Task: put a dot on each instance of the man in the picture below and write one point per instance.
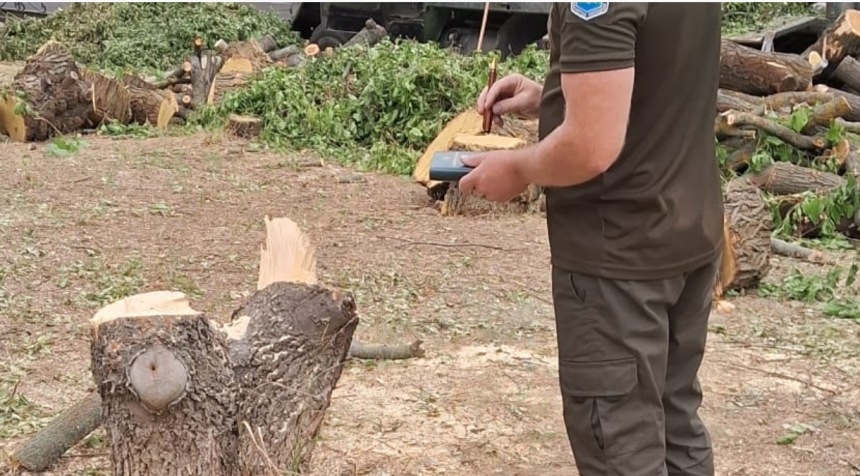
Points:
(634, 214)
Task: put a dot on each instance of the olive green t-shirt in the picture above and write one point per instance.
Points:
(657, 211)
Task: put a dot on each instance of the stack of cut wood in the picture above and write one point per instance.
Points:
(798, 99)
(52, 95)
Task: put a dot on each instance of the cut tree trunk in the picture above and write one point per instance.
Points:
(150, 106)
(181, 396)
(747, 247)
(848, 72)
(110, 99)
(783, 178)
(204, 70)
(839, 40)
(371, 34)
(223, 83)
(245, 127)
(47, 97)
(754, 72)
(458, 203)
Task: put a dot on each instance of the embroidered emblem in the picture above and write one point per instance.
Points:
(589, 10)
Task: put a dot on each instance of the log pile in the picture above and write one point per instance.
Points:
(798, 112)
(52, 95)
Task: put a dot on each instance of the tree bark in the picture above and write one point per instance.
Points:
(791, 250)
(48, 97)
(371, 34)
(848, 72)
(204, 70)
(824, 113)
(737, 119)
(747, 247)
(758, 73)
(223, 83)
(63, 432)
(284, 52)
(853, 100)
(181, 395)
(110, 98)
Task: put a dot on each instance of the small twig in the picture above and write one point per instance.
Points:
(449, 245)
(786, 377)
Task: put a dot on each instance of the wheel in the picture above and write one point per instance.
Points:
(518, 32)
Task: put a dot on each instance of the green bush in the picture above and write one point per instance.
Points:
(139, 35)
(377, 108)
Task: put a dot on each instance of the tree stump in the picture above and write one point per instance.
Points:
(457, 203)
(245, 127)
(47, 97)
(181, 395)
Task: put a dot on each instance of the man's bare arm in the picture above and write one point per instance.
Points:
(589, 140)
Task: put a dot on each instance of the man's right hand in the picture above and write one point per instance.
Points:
(513, 94)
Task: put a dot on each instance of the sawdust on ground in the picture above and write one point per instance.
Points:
(186, 213)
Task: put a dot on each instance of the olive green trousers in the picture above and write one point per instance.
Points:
(629, 355)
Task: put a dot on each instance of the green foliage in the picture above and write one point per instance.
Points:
(828, 291)
(63, 145)
(742, 17)
(377, 108)
(139, 35)
(824, 213)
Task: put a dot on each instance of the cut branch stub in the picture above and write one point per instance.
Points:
(157, 378)
(191, 435)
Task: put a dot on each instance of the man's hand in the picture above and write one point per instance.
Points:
(496, 176)
(513, 94)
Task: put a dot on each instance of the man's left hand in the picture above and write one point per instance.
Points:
(495, 176)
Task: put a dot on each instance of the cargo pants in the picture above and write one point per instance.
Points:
(629, 355)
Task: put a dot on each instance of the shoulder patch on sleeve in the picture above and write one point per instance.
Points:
(589, 10)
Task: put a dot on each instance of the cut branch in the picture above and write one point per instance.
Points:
(839, 40)
(791, 250)
(386, 351)
(739, 118)
(43, 449)
(848, 72)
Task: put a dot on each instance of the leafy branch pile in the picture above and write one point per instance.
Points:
(140, 36)
(377, 107)
(742, 17)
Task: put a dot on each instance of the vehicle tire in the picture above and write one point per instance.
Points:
(518, 32)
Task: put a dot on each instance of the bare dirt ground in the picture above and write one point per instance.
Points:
(186, 213)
